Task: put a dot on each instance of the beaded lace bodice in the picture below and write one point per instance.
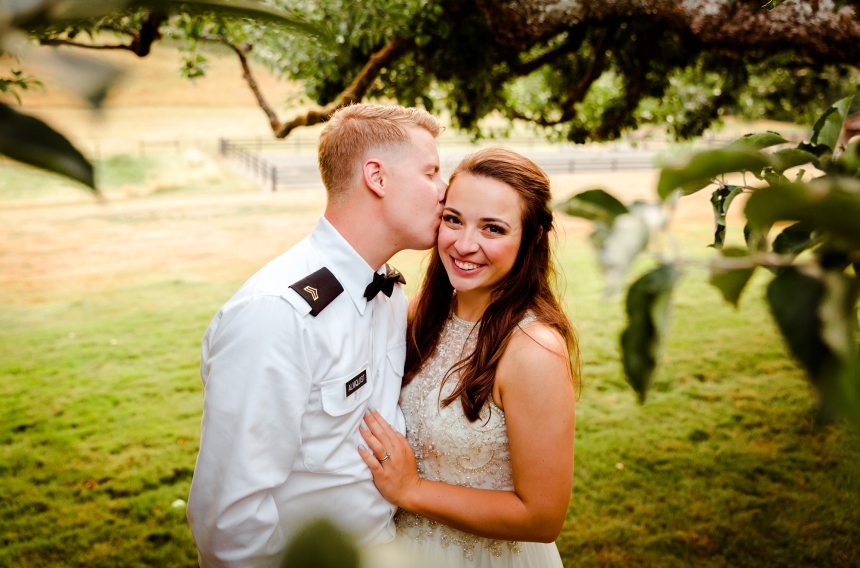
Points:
(447, 446)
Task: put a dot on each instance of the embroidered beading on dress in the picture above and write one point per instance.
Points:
(447, 446)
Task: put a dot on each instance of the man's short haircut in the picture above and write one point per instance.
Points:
(354, 130)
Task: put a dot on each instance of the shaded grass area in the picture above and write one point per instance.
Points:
(723, 466)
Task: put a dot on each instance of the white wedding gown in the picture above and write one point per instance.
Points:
(449, 448)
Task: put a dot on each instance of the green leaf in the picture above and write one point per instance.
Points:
(836, 311)
(594, 205)
(731, 281)
(793, 298)
(701, 168)
(831, 204)
(648, 316)
(320, 544)
(45, 12)
(721, 199)
(817, 318)
(773, 4)
(788, 158)
(758, 141)
(828, 129)
(755, 238)
(31, 141)
(795, 239)
(626, 238)
(598, 237)
(251, 9)
(839, 389)
(849, 160)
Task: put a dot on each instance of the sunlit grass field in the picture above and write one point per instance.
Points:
(100, 403)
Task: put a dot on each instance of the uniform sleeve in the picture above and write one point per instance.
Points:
(257, 389)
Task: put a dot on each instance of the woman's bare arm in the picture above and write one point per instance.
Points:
(535, 387)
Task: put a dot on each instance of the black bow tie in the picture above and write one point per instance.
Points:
(383, 283)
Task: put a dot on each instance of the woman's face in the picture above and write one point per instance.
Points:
(480, 234)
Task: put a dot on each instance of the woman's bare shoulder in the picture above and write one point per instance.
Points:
(535, 368)
(537, 338)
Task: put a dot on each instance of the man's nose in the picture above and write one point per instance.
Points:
(442, 187)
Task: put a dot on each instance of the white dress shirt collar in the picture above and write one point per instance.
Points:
(350, 269)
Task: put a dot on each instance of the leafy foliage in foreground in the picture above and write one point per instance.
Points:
(813, 298)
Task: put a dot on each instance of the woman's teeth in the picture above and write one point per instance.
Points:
(466, 265)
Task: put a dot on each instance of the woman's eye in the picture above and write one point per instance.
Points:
(450, 219)
(495, 229)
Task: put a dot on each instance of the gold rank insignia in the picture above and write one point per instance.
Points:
(313, 292)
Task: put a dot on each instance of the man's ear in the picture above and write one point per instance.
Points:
(373, 178)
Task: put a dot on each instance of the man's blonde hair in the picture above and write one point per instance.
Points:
(356, 129)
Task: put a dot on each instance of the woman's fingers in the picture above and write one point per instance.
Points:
(378, 449)
(370, 460)
(379, 427)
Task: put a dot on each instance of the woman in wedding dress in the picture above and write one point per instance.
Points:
(483, 477)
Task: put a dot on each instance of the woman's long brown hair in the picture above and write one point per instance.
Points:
(527, 287)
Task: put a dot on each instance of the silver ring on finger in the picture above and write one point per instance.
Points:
(387, 456)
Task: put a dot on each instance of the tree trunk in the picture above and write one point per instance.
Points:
(813, 28)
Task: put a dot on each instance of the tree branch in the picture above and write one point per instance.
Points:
(68, 43)
(141, 40)
(242, 53)
(574, 40)
(811, 27)
(355, 92)
(580, 89)
(595, 69)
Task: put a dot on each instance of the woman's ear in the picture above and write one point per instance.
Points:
(373, 178)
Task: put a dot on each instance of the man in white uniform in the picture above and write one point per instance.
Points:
(293, 360)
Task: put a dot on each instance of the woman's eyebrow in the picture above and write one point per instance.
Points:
(494, 220)
(483, 219)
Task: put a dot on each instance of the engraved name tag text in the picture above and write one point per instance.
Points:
(356, 383)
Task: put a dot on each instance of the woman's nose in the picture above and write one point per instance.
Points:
(467, 244)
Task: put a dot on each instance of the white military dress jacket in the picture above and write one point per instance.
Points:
(284, 392)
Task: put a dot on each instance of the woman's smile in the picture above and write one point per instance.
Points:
(466, 267)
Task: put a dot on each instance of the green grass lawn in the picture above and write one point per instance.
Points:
(100, 404)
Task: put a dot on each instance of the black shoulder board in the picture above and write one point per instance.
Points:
(318, 290)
